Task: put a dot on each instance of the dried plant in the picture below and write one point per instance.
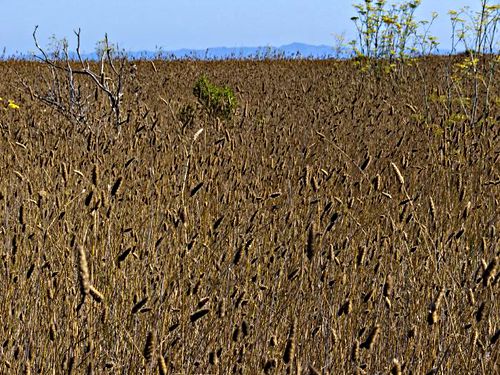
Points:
(280, 239)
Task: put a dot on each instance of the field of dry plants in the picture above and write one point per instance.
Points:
(344, 220)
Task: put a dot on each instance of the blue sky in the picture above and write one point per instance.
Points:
(145, 24)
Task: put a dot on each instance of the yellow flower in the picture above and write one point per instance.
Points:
(388, 20)
(13, 105)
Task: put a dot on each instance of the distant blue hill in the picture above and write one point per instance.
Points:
(288, 51)
(294, 50)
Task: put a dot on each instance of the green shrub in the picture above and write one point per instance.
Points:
(218, 101)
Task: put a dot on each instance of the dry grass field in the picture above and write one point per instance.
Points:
(342, 221)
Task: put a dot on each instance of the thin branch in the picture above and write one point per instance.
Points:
(114, 93)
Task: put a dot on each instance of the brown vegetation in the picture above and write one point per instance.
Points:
(340, 222)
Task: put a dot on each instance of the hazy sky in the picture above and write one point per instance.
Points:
(145, 24)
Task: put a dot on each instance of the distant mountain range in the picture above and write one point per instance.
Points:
(288, 51)
(294, 50)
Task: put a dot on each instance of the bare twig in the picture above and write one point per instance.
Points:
(75, 106)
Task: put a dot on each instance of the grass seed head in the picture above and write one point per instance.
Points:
(148, 347)
(162, 366)
(398, 174)
(372, 337)
(116, 186)
(310, 247)
(95, 294)
(289, 352)
(490, 272)
(95, 175)
(389, 284)
(83, 271)
(396, 367)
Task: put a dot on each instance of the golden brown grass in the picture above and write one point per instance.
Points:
(323, 228)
